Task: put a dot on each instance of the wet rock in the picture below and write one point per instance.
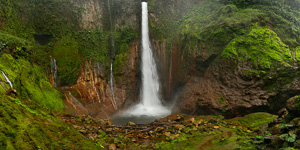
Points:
(107, 122)
(112, 147)
(11, 92)
(291, 103)
(216, 127)
(109, 130)
(83, 131)
(282, 113)
(179, 127)
(167, 134)
(172, 137)
(131, 123)
(192, 120)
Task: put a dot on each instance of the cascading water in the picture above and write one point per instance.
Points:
(112, 87)
(6, 78)
(150, 106)
(54, 70)
(111, 64)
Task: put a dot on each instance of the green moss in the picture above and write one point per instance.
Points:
(297, 54)
(255, 120)
(23, 128)
(30, 82)
(262, 47)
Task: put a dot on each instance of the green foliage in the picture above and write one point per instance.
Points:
(66, 52)
(12, 19)
(93, 44)
(289, 137)
(284, 126)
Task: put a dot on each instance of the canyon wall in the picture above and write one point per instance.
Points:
(219, 63)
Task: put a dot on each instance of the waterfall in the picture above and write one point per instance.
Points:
(112, 58)
(150, 104)
(6, 78)
(54, 71)
(112, 87)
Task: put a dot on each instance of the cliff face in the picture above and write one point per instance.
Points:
(223, 63)
(92, 93)
(93, 87)
(96, 14)
(84, 37)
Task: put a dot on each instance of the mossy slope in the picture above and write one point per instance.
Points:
(30, 82)
(25, 125)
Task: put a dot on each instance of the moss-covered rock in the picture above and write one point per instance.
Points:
(262, 47)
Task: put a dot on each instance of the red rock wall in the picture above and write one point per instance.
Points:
(93, 90)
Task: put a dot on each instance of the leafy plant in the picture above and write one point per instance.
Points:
(289, 137)
(284, 126)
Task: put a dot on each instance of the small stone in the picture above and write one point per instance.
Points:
(107, 122)
(180, 127)
(192, 120)
(88, 127)
(82, 131)
(248, 131)
(167, 134)
(199, 121)
(172, 137)
(131, 123)
(216, 127)
(109, 130)
(49, 120)
(112, 147)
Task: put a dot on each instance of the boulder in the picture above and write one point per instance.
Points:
(112, 147)
(11, 92)
(292, 103)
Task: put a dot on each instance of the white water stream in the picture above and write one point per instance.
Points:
(6, 78)
(150, 105)
(54, 70)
